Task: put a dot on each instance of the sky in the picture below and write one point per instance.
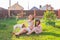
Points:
(24, 3)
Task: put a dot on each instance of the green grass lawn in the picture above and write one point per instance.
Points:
(49, 32)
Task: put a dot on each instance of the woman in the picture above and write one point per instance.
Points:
(30, 26)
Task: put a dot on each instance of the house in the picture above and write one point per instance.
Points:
(49, 7)
(34, 8)
(2, 8)
(16, 6)
(15, 10)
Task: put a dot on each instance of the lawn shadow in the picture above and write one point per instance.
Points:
(57, 27)
(50, 33)
(24, 35)
(43, 33)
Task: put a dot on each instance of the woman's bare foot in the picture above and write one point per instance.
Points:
(13, 33)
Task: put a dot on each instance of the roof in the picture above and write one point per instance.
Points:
(2, 8)
(16, 6)
(44, 7)
(34, 8)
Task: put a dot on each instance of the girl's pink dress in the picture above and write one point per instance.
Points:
(37, 29)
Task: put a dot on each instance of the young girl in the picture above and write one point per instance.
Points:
(37, 29)
(30, 26)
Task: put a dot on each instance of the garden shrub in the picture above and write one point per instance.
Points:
(58, 23)
(49, 17)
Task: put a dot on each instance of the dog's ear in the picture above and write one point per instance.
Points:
(23, 25)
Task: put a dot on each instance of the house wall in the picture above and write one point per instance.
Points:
(59, 13)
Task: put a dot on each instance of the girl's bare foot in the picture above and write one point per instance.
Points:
(28, 33)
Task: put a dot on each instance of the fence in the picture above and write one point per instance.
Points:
(39, 13)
